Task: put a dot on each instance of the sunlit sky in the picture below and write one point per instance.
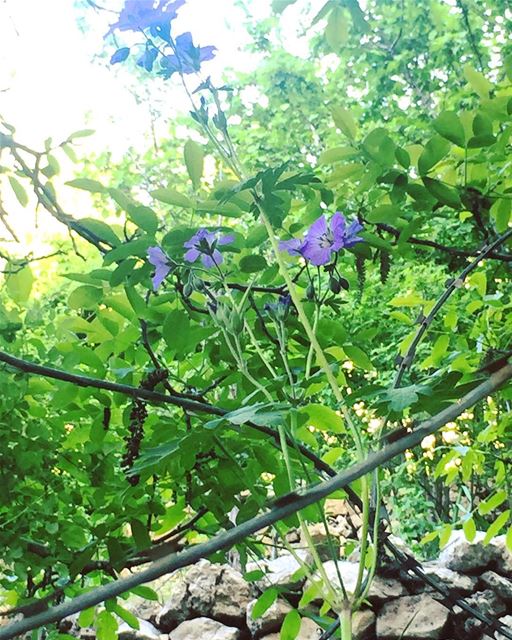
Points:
(55, 79)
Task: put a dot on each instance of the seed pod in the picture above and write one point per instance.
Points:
(236, 322)
(334, 285)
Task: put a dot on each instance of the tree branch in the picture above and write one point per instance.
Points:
(284, 507)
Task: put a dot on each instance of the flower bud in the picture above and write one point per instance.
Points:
(310, 291)
(236, 322)
(187, 290)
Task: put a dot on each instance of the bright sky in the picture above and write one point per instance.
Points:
(55, 79)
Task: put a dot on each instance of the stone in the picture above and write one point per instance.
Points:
(460, 583)
(412, 617)
(487, 602)
(204, 629)
(325, 543)
(206, 590)
(146, 631)
(507, 622)
(501, 586)
(309, 630)
(363, 625)
(503, 563)
(383, 588)
(280, 571)
(270, 621)
(467, 557)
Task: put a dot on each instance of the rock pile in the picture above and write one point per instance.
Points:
(214, 602)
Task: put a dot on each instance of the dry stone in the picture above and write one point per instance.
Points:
(280, 571)
(270, 621)
(204, 629)
(501, 586)
(309, 630)
(467, 557)
(205, 589)
(412, 618)
(488, 603)
(146, 631)
(458, 582)
(503, 564)
(363, 625)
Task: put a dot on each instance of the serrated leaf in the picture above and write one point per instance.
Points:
(448, 125)
(194, 161)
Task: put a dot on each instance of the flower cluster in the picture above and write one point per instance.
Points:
(139, 15)
(202, 244)
(323, 238)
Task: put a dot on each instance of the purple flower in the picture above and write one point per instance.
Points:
(323, 239)
(148, 58)
(141, 14)
(161, 263)
(279, 310)
(295, 246)
(204, 244)
(187, 57)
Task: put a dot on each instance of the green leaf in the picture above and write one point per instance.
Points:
(386, 213)
(358, 357)
(145, 592)
(448, 125)
(137, 248)
(291, 626)
(469, 528)
(83, 133)
(323, 418)
(176, 329)
(496, 526)
(19, 285)
(253, 264)
(19, 191)
(86, 617)
(100, 229)
(194, 161)
(336, 32)
(87, 185)
(345, 122)
(443, 193)
(500, 211)
(85, 297)
(492, 502)
(508, 539)
(106, 626)
(264, 602)
(477, 81)
(170, 196)
(335, 154)
(140, 535)
(144, 217)
(435, 150)
(482, 125)
(399, 399)
(127, 616)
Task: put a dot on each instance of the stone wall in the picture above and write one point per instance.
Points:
(213, 602)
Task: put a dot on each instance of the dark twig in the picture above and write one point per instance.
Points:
(452, 284)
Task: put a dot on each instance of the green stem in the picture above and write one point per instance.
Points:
(346, 622)
(309, 360)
